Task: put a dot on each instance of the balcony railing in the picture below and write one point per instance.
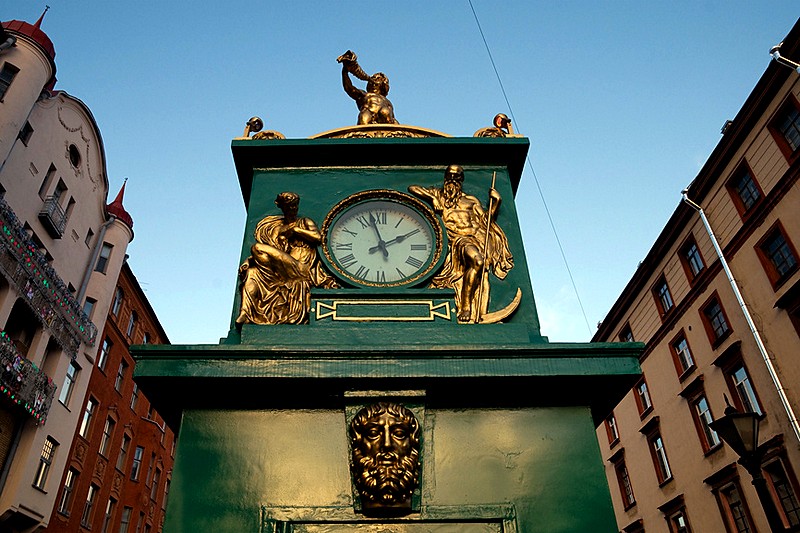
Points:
(24, 383)
(53, 217)
(40, 285)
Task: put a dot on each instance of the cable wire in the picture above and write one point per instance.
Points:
(530, 166)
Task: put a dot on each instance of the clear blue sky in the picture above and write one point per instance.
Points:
(623, 102)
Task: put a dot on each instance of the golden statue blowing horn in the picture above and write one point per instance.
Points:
(350, 61)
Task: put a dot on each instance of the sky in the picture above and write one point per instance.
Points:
(623, 102)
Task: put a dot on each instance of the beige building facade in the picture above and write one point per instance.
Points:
(667, 469)
(61, 251)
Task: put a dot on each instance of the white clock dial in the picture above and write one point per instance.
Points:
(381, 242)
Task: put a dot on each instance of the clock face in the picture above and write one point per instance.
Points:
(382, 238)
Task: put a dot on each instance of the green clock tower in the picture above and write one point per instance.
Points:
(384, 369)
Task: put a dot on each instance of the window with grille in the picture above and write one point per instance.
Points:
(691, 259)
(45, 461)
(715, 321)
(777, 254)
(744, 189)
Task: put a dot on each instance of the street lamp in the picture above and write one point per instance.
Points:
(740, 432)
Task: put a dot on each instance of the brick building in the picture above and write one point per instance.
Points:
(120, 461)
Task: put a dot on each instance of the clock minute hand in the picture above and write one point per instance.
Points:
(399, 238)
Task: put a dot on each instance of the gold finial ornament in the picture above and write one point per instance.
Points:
(255, 125)
(373, 105)
(283, 266)
(502, 128)
(477, 246)
(384, 438)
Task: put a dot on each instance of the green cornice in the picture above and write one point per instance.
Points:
(248, 155)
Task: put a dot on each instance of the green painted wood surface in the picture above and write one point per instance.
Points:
(292, 464)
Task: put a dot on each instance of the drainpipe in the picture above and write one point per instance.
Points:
(97, 245)
(756, 335)
(785, 61)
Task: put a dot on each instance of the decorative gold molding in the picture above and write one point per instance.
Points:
(367, 131)
(333, 309)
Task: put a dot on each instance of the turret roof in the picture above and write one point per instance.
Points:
(116, 208)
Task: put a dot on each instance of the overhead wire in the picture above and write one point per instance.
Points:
(530, 167)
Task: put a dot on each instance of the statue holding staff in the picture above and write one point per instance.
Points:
(477, 244)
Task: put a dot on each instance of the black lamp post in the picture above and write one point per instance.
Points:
(740, 432)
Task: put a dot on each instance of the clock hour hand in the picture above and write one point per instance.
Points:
(381, 244)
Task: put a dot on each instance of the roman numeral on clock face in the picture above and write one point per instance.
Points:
(348, 260)
(344, 246)
(413, 261)
(362, 272)
(420, 247)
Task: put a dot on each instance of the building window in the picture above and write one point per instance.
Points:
(131, 323)
(715, 321)
(123, 368)
(784, 492)
(74, 155)
(109, 515)
(735, 511)
(744, 395)
(6, 77)
(659, 455)
(675, 515)
(691, 259)
(678, 522)
(611, 429)
(663, 297)
(166, 494)
(777, 255)
(118, 297)
(786, 128)
(682, 355)
(88, 239)
(744, 189)
(69, 383)
(88, 307)
(150, 466)
(102, 261)
(25, 133)
(88, 506)
(146, 338)
(623, 480)
(105, 351)
(108, 433)
(66, 492)
(642, 396)
(156, 481)
(88, 413)
(48, 178)
(701, 413)
(134, 396)
(626, 335)
(125, 519)
(45, 460)
(123, 452)
(137, 463)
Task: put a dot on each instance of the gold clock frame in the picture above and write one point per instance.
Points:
(391, 195)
